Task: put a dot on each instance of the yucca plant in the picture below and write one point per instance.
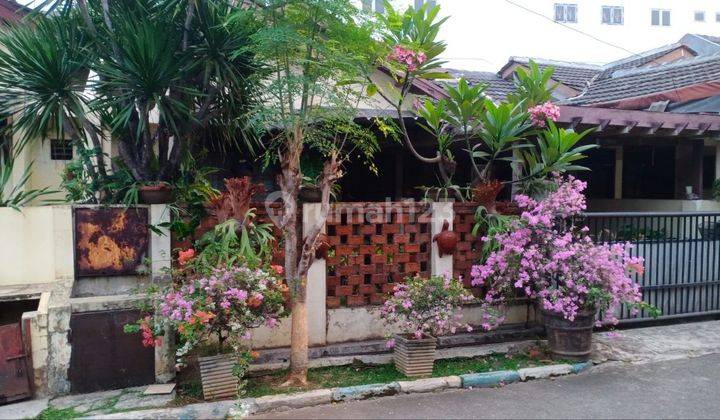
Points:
(158, 78)
(13, 194)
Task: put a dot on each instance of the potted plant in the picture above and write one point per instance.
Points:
(546, 257)
(421, 309)
(155, 193)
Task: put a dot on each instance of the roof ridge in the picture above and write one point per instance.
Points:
(560, 63)
(662, 66)
(643, 54)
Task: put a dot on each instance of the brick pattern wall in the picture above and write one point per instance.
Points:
(374, 246)
(468, 247)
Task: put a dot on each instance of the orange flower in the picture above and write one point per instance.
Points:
(181, 328)
(278, 269)
(185, 256)
(254, 302)
(204, 317)
(637, 267)
(254, 354)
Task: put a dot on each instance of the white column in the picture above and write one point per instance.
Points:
(619, 156)
(441, 212)
(160, 245)
(316, 285)
(160, 263)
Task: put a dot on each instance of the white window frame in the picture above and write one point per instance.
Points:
(700, 14)
(370, 6)
(664, 17)
(564, 17)
(612, 16)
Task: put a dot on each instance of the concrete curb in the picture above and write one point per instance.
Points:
(251, 406)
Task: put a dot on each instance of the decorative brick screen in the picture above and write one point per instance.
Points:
(469, 247)
(374, 246)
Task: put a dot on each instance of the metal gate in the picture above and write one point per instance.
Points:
(682, 257)
(14, 370)
(104, 356)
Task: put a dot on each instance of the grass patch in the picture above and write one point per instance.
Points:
(360, 374)
(51, 413)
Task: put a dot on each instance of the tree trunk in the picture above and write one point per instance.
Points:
(299, 340)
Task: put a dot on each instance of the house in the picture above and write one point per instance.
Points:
(656, 117)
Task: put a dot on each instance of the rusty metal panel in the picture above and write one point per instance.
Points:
(110, 241)
(104, 356)
(217, 377)
(14, 377)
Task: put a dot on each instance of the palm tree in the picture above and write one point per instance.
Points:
(156, 77)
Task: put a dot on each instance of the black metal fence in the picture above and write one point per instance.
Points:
(682, 258)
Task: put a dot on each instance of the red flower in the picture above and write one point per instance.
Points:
(185, 256)
(278, 269)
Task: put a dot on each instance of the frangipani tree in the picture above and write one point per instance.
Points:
(155, 77)
(490, 132)
(318, 55)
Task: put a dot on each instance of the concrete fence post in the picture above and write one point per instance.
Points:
(441, 212)
(160, 264)
(316, 286)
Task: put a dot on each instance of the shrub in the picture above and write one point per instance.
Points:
(427, 307)
(545, 256)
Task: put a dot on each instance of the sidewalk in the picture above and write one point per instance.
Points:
(636, 346)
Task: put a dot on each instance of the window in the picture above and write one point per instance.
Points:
(430, 3)
(566, 13)
(61, 149)
(612, 15)
(660, 17)
(367, 5)
(700, 16)
(717, 17)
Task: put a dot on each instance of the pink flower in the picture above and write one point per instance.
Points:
(539, 114)
(185, 256)
(390, 343)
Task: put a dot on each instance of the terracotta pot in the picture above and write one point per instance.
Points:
(446, 240)
(310, 194)
(485, 194)
(414, 357)
(156, 194)
(322, 246)
(569, 340)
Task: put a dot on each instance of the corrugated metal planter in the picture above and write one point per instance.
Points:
(570, 340)
(414, 357)
(216, 373)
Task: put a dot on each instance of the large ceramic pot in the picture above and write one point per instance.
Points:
(414, 357)
(155, 194)
(570, 340)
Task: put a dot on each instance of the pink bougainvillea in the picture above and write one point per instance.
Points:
(540, 114)
(545, 256)
(412, 60)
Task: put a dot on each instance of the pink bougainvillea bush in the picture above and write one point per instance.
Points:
(545, 256)
(429, 307)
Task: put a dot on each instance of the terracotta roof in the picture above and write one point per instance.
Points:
(664, 78)
(12, 11)
(497, 87)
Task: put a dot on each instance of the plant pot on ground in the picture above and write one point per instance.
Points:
(159, 193)
(569, 340)
(414, 356)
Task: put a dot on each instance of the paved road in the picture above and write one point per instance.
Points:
(688, 388)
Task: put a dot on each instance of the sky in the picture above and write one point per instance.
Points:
(483, 34)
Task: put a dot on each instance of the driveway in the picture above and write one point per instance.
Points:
(687, 388)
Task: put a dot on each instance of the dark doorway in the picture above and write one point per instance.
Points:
(649, 172)
(104, 356)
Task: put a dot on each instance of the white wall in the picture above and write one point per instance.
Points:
(482, 34)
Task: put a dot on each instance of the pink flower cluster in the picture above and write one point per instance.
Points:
(427, 307)
(407, 57)
(539, 114)
(545, 256)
